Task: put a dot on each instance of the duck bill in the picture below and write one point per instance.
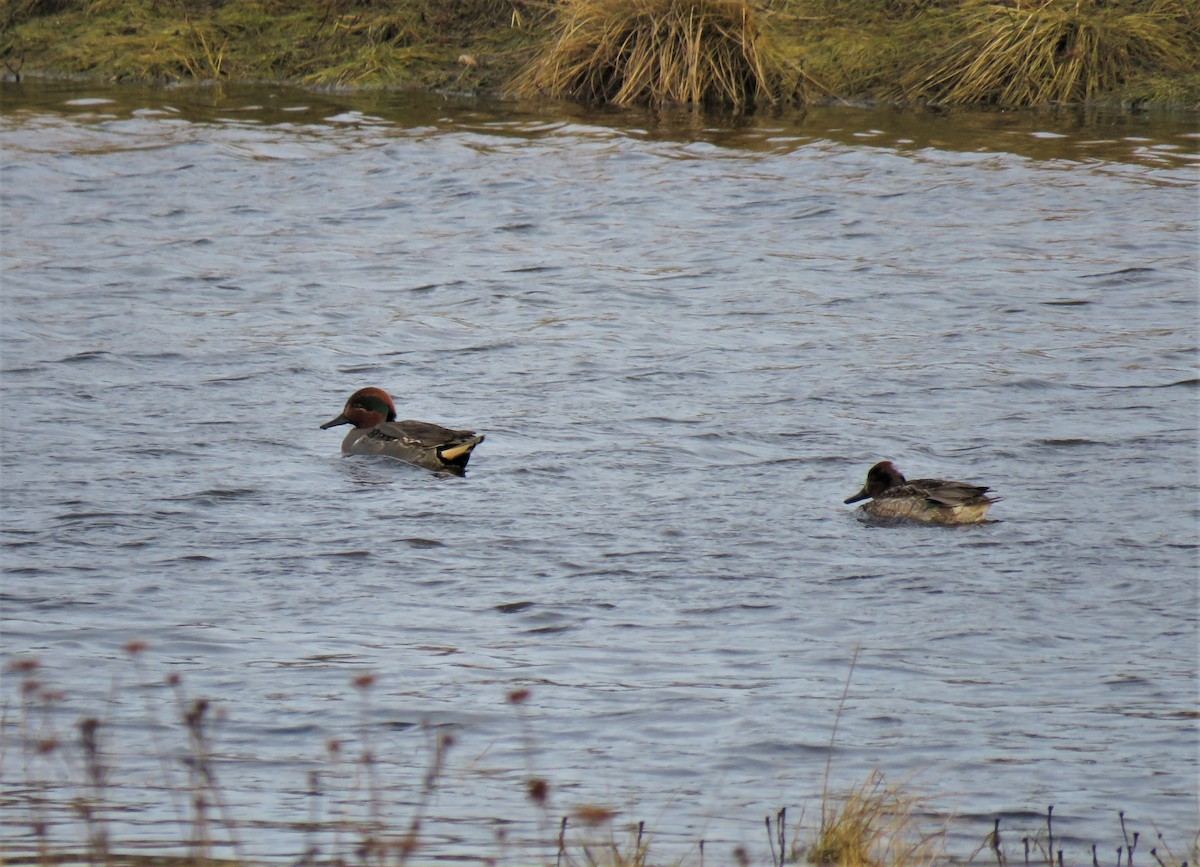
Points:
(861, 495)
(334, 422)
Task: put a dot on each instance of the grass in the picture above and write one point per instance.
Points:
(739, 53)
(657, 52)
(873, 825)
(1055, 51)
(71, 772)
(364, 43)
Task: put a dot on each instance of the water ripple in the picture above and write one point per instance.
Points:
(686, 343)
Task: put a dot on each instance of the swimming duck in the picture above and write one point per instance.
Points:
(376, 432)
(934, 501)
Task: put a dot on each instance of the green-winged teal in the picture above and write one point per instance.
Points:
(376, 432)
(934, 501)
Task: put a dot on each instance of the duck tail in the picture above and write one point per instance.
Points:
(459, 453)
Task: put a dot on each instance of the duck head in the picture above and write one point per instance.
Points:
(880, 478)
(367, 407)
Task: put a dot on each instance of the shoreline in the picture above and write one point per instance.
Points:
(831, 52)
(1104, 109)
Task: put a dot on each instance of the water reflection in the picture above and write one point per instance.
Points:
(1166, 138)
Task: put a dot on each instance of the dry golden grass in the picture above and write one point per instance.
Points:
(656, 52)
(1056, 51)
(873, 825)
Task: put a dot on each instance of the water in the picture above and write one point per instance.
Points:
(686, 342)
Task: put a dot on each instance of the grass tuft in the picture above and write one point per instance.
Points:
(873, 825)
(1023, 53)
(656, 52)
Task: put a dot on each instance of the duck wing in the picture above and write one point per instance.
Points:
(946, 493)
(422, 434)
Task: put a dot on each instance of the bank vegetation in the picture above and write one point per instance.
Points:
(68, 799)
(1000, 53)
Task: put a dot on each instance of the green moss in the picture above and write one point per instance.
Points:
(408, 42)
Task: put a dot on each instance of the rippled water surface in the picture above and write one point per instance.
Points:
(686, 342)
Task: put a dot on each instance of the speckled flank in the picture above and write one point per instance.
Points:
(920, 509)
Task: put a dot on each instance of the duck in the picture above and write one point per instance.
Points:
(376, 432)
(931, 501)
